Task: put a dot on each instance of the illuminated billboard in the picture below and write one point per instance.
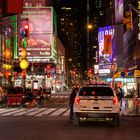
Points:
(110, 42)
(105, 37)
(118, 11)
(40, 40)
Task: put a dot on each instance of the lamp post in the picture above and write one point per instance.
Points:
(113, 68)
(68, 65)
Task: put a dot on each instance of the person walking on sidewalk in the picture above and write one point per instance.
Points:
(71, 101)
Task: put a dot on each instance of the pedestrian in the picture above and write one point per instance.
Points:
(120, 93)
(71, 101)
(43, 97)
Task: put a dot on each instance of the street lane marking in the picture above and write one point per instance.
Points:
(25, 112)
(13, 112)
(7, 110)
(58, 112)
(36, 112)
(46, 112)
(66, 113)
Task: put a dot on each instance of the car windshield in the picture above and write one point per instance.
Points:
(96, 91)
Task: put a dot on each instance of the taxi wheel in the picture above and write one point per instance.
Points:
(76, 120)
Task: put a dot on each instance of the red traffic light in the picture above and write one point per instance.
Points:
(26, 30)
(26, 26)
(48, 75)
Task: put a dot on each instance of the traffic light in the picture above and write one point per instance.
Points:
(48, 75)
(90, 73)
(26, 30)
(128, 21)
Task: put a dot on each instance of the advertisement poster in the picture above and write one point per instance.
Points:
(39, 42)
(110, 42)
(105, 36)
(107, 44)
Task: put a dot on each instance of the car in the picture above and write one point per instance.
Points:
(96, 101)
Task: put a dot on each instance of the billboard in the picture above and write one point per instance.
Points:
(105, 36)
(40, 38)
(110, 42)
(118, 11)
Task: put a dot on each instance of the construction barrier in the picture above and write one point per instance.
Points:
(14, 99)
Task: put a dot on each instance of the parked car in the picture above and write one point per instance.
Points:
(96, 101)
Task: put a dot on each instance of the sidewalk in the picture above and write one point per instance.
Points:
(130, 107)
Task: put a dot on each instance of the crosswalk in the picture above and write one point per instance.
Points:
(38, 112)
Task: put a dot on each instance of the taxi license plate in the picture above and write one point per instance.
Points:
(95, 103)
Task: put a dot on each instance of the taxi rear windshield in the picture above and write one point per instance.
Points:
(96, 91)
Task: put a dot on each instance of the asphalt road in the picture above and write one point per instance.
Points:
(28, 126)
(60, 128)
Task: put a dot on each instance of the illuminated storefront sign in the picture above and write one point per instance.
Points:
(105, 36)
(41, 34)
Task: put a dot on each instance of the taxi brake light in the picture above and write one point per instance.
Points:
(84, 92)
(115, 100)
(77, 100)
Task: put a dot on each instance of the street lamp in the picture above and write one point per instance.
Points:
(89, 26)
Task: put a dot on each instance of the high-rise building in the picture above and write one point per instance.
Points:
(69, 32)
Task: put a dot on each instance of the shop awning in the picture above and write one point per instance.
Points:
(132, 73)
(137, 73)
(117, 75)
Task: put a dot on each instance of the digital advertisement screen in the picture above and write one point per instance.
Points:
(105, 37)
(110, 42)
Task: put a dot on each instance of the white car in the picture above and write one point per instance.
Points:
(96, 101)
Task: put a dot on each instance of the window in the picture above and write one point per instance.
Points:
(28, 4)
(38, 4)
(96, 91)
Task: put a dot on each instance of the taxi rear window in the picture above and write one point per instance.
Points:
(96, 91)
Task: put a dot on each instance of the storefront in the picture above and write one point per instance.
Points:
(129, 85)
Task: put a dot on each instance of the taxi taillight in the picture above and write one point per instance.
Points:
(115, 100)
(77, 100)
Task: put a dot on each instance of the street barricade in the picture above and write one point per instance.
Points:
(130, 106)
(14, 99)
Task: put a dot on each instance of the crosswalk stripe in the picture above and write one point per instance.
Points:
(66, 113)
(36, 111)
(25, 112)
(46, 112)
(12, 112)
(58, 112)
(7, 110)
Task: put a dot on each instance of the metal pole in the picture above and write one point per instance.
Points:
(87, 33)
(132, 7)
